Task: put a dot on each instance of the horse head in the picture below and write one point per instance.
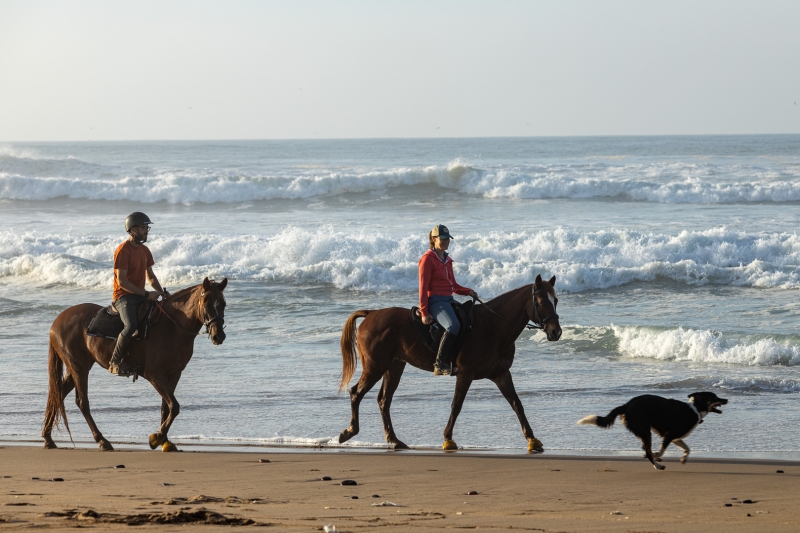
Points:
(212, 309)
(543, 308)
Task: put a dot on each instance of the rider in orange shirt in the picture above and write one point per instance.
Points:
(133, 264)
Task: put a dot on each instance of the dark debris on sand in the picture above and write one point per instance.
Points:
(209, 499)
(200, 516)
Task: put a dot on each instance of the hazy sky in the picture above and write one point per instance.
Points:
(302, 69)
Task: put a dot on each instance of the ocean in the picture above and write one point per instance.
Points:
(677, 260)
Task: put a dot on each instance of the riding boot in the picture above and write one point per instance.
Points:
(443, 365)
(117, 365)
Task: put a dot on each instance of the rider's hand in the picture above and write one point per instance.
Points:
(165, 294)
(153, 295)
(473, 294)
(427, 319)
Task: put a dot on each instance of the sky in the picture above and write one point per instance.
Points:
(92, 70)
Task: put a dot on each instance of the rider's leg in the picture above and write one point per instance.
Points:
(443, 312)
(128, 308)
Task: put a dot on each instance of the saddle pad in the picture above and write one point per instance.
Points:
(431, 335)
(108, 324)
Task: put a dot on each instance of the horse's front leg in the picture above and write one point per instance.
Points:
(462, 386)
(506, 386)
(170, 408)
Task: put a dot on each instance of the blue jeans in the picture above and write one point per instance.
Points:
(442, 311)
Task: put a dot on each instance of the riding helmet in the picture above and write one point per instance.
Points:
(136, 219)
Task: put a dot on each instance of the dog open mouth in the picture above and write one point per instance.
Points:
(713, 408)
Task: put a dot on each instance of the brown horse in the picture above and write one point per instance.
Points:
(387, 340)
(163, 355)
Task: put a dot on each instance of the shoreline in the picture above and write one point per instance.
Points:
(780, 458)
(400, 491)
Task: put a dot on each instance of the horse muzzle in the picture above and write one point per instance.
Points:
(218, 336)
(553, 334)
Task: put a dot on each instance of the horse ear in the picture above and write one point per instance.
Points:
(538, 280)
(553, 281)
(206, 284)
(223, 284)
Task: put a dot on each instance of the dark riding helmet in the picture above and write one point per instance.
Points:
(136, 219)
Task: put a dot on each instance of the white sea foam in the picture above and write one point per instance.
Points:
(23, 177)
(704, 346)
(491, 263)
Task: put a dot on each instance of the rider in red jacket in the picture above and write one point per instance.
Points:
(436, 287)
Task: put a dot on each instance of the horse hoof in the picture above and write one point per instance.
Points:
(106, 446)
(346, 435)
(400, 445)
(169, 447)
(50, 445)
(449, 445)
(535, 446)
(155, 441)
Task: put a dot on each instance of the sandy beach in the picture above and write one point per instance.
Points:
(395, 492)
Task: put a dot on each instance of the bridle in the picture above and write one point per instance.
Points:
(207, 321)
(542, 322)
(537, 324)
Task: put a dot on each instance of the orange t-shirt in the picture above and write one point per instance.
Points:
(136, 260)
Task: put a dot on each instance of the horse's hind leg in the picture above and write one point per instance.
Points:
(462, 386)
(82, 400)
(506, 386)
(47, 429)
(357, 392)
(391, 378)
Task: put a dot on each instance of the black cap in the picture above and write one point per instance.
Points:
(441, 231)
(136, 219)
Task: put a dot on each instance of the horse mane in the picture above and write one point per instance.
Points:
(175, 296)
(503, 298)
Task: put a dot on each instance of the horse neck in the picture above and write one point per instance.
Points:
(183, 309)
(513, 308)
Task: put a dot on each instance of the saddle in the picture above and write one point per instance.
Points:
(108, 324)
(431, 335)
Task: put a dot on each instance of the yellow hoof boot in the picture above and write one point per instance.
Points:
(535, 446)
(169, 447)
(155, 441)
(449, 445)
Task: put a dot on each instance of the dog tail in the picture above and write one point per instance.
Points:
(602, 421)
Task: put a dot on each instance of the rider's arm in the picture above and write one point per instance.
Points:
(459, 289)
(125, 283)
(153, 281)
(425, 268)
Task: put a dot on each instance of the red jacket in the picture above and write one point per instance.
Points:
(436, 279)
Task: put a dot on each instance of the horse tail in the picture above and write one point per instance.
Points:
(55, 411)
(348, 345)
(604, 421)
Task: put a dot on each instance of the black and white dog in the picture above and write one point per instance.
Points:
(672, 419)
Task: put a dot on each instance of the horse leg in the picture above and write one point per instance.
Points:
(169, 404)
(391, 378)
(82, 400)
(506, 386)
(357, 392)
(462, 386)
(47, 429)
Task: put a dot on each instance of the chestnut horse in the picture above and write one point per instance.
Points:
(387, 340)
(163, 355)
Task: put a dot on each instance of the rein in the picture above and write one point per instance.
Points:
(536, 324)
(207, 323)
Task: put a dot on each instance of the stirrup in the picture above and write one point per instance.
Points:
(120, 370)
(437, 371)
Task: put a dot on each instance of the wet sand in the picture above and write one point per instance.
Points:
(528, 493)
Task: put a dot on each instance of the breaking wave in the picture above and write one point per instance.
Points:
(492, 263)
(23, 177)
(704, 346)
